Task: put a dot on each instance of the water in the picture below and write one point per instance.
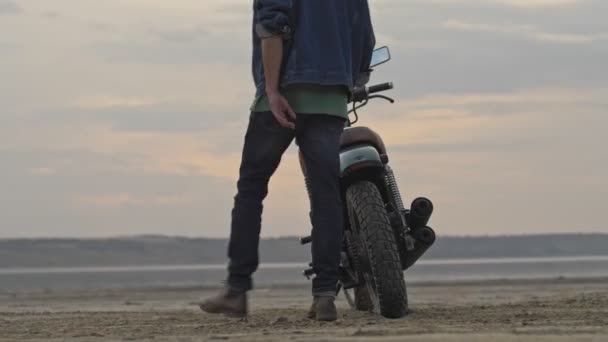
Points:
(29, 279)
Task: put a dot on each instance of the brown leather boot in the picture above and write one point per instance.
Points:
(312, 312)
(229, 302)
(323, 309)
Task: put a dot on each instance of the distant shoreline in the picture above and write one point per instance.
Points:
(292, 265)
(286, 274)
(577, 281)
(280, 237)
(165, 250)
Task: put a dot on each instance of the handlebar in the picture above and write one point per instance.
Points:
(380, 87)
(361, 94)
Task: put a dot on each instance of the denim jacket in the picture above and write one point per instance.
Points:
(326, 42)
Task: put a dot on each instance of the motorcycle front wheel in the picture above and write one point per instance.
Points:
(376, 242)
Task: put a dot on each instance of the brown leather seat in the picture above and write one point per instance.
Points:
(361, 135)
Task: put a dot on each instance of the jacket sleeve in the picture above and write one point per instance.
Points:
(273, 18)
(368, 49)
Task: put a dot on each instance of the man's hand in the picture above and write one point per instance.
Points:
(272, 56)
(281, 110)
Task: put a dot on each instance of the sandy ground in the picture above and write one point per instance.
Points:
(533, 310)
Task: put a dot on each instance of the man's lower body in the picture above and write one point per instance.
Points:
(318, 137)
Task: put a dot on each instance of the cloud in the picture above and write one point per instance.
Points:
(143, 114)
(523, 4)
(41, 171)
(457, 147)
(175, 47)
(53, 15)
(480, 104)
(101, 147)
(122, 200)
(482, 148)
(534, 3)
(499, 122)
(100, 194)
(180, 35)
(490, 47)
(528, 32)
(100, 102)
(9, 7)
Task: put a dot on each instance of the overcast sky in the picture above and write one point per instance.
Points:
(124, 117)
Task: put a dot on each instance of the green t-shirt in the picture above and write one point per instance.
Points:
(311, 99)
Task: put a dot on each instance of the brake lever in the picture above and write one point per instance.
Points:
(381, 97)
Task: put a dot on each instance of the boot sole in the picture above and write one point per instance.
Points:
(225, 312)
(327, 319)
(233, 314)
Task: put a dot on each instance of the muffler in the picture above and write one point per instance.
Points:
(422, 236)
(419, 214)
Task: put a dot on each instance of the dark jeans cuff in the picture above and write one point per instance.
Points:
(331, 294)
(324, 290)
(241, 284)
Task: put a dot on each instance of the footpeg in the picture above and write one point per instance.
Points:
(305, 240)
(308, 273)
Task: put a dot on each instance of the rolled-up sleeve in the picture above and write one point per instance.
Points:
(273, 18)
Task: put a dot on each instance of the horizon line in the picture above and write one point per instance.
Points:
(167, 236)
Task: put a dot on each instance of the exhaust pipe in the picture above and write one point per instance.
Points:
(424, 239)
(419, 214)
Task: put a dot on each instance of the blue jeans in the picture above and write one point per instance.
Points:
(318, 137)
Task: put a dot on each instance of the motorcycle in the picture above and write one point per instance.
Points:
(382, 238)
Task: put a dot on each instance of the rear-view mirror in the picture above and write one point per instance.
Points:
(380, 56)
